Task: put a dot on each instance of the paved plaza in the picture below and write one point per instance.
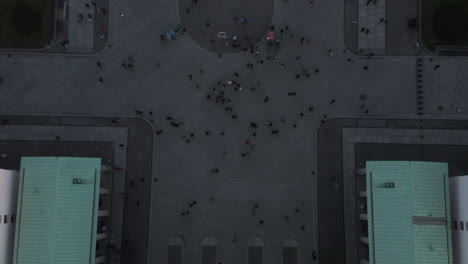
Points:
(234, 130)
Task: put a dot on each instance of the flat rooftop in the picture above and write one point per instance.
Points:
(56, 220)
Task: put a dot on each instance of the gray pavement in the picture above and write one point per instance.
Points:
(80, 26)
(372, 26)
(277, 173)
(390, 37)
(400, 40)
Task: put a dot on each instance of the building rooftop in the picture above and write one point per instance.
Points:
(408, 212)
(57, 210)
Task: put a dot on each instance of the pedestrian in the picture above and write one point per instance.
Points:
(332, 101)
(187, 10)
(99, 64)
(437, 66)
(267, 99)
(261, 222)
(100, 79)
(317, 71)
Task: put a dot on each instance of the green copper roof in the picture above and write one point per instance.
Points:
(408, 212)
(57, 210)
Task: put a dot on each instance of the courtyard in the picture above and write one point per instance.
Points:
(235, 130)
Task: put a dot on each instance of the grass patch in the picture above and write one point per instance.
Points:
(25, 23)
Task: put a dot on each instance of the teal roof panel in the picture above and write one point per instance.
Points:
(409, 212)
(57, 210)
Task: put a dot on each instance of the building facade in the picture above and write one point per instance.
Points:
(8, 199)
(459, 204)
